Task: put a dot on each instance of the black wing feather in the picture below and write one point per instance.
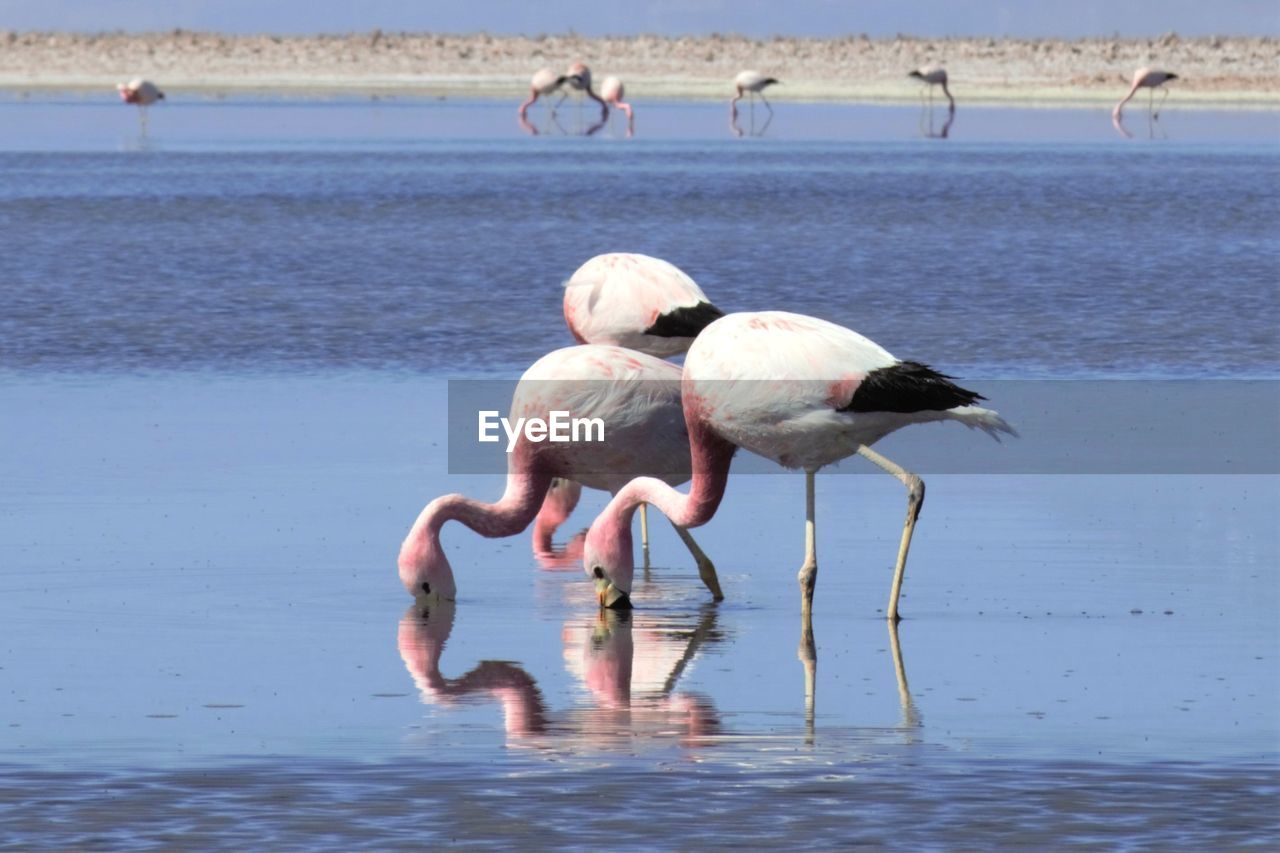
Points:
(685, 322)
(909, 386)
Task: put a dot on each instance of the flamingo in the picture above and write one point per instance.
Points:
(638, 302)
(637, 396)
(750, 83)
(141, 92)
(934, 75)
(802, 392)
(579, 79)
(1146, 78)
(544, 83)
(612, 91)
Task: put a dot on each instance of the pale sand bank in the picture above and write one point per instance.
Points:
(1218, 71)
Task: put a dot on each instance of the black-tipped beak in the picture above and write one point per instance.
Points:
(621, 601)
(1173, 76)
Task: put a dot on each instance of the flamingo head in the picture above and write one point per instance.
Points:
(424, 569)
(607, 556)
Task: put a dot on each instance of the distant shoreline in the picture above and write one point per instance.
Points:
(1231, 72)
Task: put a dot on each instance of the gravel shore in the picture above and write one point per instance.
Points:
(1222, 71)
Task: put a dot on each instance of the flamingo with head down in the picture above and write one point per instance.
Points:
(544, 83)
(934, 75)
(1149, 79)
(612, 91)
(635, 395)
(578, 78)
(802, 392)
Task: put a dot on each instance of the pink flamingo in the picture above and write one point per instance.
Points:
(612, 92)
(934, 75)
(142, 93)
(1150, 79)
(635, 395)
(544, 83)
(802, 392)
(750, 83)
(638, 302)
(579, 79)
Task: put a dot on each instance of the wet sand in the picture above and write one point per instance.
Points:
(1214, 71)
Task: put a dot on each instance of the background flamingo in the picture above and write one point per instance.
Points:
(578, 78)
(1150, 79)
(750, 83)
(612, 92)
(544, 83)
(802, 392)
(638, 398)
(141, 92)
(934, 75)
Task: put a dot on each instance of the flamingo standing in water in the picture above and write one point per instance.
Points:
(544, 83)
(750, 83)
(636, 396)
(612, 92)
(802, 392)
(578, 77)
(638, 302)
(141, 92)
(1150, 79)
(934, 75)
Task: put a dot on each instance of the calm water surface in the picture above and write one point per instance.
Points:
(223, 354)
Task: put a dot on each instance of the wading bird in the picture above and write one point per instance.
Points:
(638, 302)
(934, 75)
(544, 83)
(750, 83)
(143, 93)
(578, 78)
(612, 92)
(634, 395)
(1150, 79)
(802, 392)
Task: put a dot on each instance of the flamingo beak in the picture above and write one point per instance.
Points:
(426, 597)
(610, 596)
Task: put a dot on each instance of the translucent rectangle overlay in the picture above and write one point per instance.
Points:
(1065, 427)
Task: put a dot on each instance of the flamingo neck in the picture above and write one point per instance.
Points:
(711, 457)
(421, 552)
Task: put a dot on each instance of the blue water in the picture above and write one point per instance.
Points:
(223, 356)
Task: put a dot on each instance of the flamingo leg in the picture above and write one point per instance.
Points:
(808, 655)
(766, 104)
(915, 500)
(644, 533)
(706, 568)
(1164, 98)
(910, 716)
(808, 575)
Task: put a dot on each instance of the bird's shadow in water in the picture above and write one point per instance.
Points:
(751, 129)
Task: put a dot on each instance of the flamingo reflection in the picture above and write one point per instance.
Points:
(807, 653)
(630, 672)
(421, 639)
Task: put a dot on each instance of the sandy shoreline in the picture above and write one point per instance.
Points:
(1216, 71)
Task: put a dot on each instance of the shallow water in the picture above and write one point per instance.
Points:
(222, 380)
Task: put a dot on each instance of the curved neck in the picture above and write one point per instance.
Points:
(524, 108)
(509, 516)
(711, 456)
